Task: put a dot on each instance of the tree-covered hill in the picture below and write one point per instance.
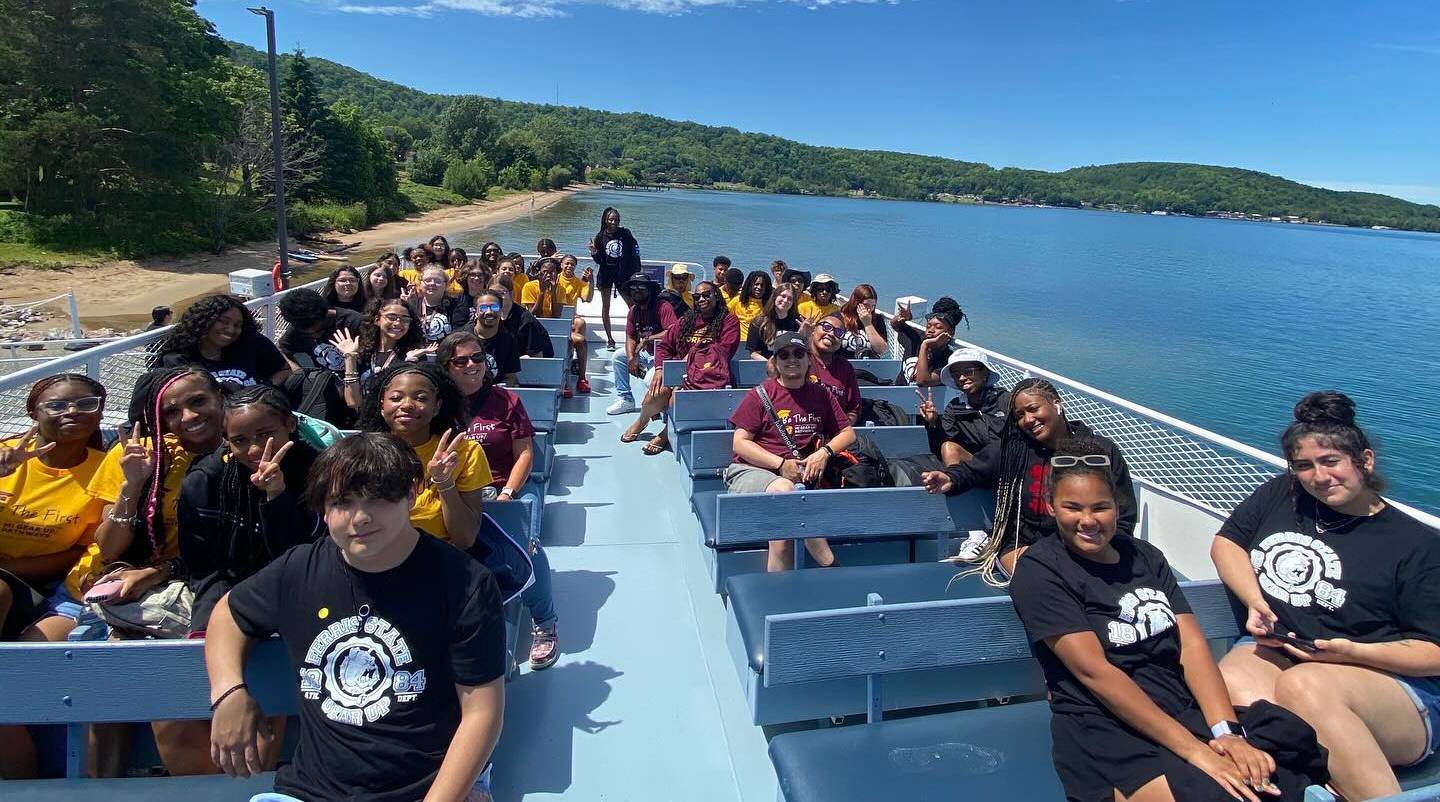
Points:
(643, 147)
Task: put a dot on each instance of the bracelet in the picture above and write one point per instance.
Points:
(781, 467)
(506, 492)
(439, 488)
(226, 695)
(1227, 728)
(123, 520)
(827, 447)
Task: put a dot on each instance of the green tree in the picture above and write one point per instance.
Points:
(558, 177)
(519, 175)
(467, 127)
(358, 167)
(471, 178)
(428, 165)
(553, 144)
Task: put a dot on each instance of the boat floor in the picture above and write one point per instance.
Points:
(643, 703)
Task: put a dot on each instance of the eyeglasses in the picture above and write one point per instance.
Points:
(462, 361)
(705, 294)
(1093, 460)
(391, 317)
(90, 403)
(828, 327)
(791, 354)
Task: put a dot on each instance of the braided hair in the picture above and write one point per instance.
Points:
(1010, 486)
(239, 501)
(38, 389)
(450, 415)
(145, 413)
(693, 318)
(187, 334)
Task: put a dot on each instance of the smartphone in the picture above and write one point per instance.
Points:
(1302, 644)
(103, 591)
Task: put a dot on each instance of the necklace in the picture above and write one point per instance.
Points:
(1322, 526)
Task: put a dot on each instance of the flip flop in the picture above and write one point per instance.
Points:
(651, 449)
(630, 438)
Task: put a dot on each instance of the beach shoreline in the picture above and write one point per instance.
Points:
(119, 293)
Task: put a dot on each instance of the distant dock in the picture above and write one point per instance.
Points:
(636, 187)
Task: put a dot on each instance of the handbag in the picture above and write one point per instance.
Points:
(163, 612)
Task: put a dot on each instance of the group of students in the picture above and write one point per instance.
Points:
(222, 512)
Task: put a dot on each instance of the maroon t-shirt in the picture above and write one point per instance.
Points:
(496, 425)
(839, 378)
(805, 412)
(661, 317)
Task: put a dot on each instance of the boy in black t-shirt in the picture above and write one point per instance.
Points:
(397, 641)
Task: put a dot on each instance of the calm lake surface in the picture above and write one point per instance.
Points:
(1224, 324)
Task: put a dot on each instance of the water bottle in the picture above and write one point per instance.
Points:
(799, 485)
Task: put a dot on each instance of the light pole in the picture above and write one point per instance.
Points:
(277, 151)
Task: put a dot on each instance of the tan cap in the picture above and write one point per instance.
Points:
(679, 270)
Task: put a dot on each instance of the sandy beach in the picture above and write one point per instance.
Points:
(120, 293)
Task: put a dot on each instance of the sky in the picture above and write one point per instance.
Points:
(1338, 94)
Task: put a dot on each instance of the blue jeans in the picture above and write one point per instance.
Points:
(539, 598)
(620, 366)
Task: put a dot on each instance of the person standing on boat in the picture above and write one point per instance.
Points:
(500, 425)
(646, 322)
(924, 356)
(830, 369)
(786, 431)
(1016, 467)
(779, 316)
(750, 302)
(706, 337)
(1352, 585)
(720, 265)
(617, 253)
(777, 271)
(1138, 708)
(972, 419)
(398, 648)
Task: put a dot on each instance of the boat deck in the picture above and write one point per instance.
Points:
(643, 703)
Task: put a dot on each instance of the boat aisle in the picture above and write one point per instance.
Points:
(636, 707)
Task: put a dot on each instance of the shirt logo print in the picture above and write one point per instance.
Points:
(1144, 613)
(356, 669)
(1039, 476)
(1299, 570)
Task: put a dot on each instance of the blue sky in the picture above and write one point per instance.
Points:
(1339, 94)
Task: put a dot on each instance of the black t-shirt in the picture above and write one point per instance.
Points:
(377, 694)
(1372, 580)
(1131, 607)
(755, 340)
(321, 351)
(502, 352)
(252, 359)
(529, 332)
(910, 342)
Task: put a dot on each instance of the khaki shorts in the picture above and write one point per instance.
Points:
(741, 477)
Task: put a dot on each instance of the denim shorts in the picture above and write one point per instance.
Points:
(61, 603)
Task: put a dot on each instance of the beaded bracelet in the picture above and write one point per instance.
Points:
(226, 695)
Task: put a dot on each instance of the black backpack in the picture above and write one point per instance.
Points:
(317, 392)
(860, 465)
(881, 413)
(906, 471)
(675, 300)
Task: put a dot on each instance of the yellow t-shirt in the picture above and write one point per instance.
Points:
(809, 309)
(532, 294)
(745, 312)
(517, 284)
(472, 472)
(46, 510)
(571, 289)
(727, 294)
(455, 288)
(105, 486)
(411, 275)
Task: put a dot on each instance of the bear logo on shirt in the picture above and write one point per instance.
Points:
(1144, 613)
(356, 668)
(1299, 570)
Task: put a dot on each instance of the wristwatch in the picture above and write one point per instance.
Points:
(1227, 728)
(829, 449)
(506, 492)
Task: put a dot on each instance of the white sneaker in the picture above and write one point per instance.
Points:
(973, 546)
(620, 406)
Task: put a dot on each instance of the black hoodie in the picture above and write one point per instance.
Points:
(215, 554)
(626, 264)
(1036, 520)
(529, 332)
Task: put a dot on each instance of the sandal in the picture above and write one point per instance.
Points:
(652, 448)
(628, 437)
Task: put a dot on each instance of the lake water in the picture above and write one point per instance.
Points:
(1224, 324)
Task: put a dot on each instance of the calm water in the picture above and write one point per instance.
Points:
(1224, 324)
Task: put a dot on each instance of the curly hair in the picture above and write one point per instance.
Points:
(451, 414)
(370, 330)
(362, 294)
(187, 334)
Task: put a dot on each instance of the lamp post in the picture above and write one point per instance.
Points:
(277, 151)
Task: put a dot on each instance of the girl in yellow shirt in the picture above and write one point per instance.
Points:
(46, 518)
(750, 303)
(421, 405)
(822, 298)
(573, 290)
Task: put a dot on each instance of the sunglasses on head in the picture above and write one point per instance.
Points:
(462, 361)
(1093, 460)
(90, 403)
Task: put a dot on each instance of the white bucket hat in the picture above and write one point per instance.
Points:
(962, 356)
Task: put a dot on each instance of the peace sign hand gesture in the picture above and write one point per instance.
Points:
(441, 470)
(135, 460)
(927, 405)
(902, 314)
(268, 476)
(346, 343)
(13, 457)
(808, 324)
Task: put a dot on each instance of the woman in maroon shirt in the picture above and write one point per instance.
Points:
(829, 368)
(499, 424)
(706, 337)
(814, 423)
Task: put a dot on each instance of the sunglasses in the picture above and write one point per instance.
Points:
(90, 403)
(1093, 460)
(828, 327)
(462, 361)
(705, 294)
(973, 370)
(791, 354)
(483, 308)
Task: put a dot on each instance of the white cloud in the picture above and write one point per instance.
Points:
(1419, 193)
(557, 8)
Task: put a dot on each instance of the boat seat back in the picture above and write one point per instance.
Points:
(541, 372)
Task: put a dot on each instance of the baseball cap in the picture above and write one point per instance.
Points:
(789, 339)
